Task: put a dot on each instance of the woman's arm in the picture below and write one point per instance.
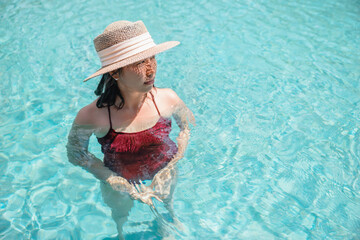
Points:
(78, 154)
(183, 117)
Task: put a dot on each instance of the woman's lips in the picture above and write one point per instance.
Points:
(149, 82)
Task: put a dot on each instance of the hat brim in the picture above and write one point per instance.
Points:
(133, 59)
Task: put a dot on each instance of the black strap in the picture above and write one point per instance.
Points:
(109, 117)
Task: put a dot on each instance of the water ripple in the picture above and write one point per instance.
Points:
(274, 87)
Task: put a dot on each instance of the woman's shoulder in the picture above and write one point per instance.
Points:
(89, 114)
(168, 95)
(167, 101)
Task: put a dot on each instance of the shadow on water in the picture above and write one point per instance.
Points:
(139, 235)
(156, 230)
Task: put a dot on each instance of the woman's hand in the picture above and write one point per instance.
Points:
(142, 193)
(163, 180)
(145, 194)
(120, 184)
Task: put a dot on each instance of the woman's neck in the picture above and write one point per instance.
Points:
(133, 101)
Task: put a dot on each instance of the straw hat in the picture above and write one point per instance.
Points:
(123, 43)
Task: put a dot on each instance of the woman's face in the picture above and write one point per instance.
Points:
(139, 76)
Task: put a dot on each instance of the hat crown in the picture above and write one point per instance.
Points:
(118, 32)
(123, 43)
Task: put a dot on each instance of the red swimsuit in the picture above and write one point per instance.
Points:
(138, 155)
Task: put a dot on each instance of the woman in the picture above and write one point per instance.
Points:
(132, 121)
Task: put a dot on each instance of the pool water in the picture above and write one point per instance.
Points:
(275, 89)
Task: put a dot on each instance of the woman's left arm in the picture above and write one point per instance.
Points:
(183, 117)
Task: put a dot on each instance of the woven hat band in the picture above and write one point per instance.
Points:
(125, 49)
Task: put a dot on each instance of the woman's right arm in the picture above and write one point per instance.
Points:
(78, 154)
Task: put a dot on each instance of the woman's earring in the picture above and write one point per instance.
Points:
(114, 78)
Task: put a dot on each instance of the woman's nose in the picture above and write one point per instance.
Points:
(150, 72)
(150, 69)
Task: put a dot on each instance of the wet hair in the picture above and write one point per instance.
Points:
(108, 90)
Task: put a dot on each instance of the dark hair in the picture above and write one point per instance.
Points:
(108, 90)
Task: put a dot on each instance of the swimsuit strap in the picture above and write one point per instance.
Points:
(109, 117)
(152, 96)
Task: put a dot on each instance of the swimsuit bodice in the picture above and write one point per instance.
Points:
(138, 155)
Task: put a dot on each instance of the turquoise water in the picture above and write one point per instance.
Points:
(274, 86)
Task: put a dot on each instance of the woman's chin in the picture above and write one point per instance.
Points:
(149, 87)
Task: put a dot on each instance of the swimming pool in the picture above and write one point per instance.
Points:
(274, 86)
